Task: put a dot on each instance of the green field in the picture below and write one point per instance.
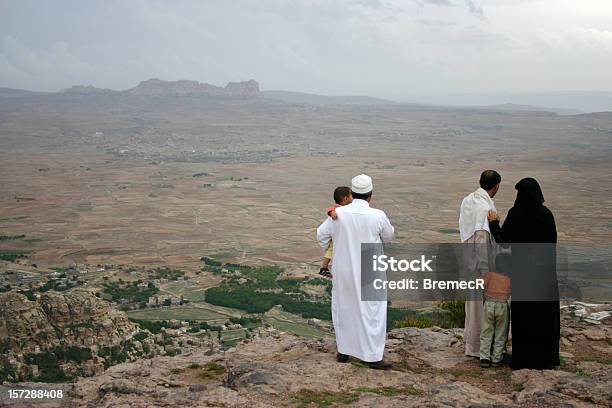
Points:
(178, 313)
(290, 323)
(12, 254)
(301, 329)
(185, 289)
(230, 335)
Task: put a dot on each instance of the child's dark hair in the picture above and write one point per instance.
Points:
(340, 193)
(503, 263)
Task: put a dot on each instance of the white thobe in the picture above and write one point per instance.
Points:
(476, 237)
(360, 325)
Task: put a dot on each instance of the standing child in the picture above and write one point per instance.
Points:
(496, 315)
(342, 196)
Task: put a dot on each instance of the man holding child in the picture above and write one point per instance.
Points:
(360, 326)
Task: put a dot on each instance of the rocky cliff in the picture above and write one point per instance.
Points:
(273, 368)
(61, 335)
(157, 87)
(277, 369)
(74, 317)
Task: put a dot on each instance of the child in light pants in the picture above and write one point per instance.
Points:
(496, 314)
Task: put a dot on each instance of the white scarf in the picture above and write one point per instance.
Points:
(473, 213)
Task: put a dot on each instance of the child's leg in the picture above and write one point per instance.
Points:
(324, 271)
(502, 320)
(325, 263)
(329, 252)
(487, 330)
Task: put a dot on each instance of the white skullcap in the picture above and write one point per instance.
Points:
(361, 184)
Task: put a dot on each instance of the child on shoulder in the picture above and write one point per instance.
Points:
(342, 196)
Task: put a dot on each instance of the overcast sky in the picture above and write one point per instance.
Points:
(385, 48)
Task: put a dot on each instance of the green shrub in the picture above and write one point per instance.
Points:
(154, 326)
(391, 391)
(11, 237)
(11, 255)
(210, 261)
(131, 292)
(322, 399)
(457, 311)
(49, 361)
(140, 336)
(168, 273)
(413, 321)
(211, 370)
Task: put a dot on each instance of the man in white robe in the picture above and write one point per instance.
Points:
(360, 326)
(479, 247)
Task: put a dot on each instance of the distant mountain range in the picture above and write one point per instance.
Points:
(314, 99)
(529, 108)
(156, 87)
(561, 103)
(9, 92)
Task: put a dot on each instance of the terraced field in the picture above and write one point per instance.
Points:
(291, 323)
(179, 313)
(189, 290)
(231, 337)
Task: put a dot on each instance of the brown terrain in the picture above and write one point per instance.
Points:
(103, 188)
(165, 180)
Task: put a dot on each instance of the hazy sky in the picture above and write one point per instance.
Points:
(386, 48)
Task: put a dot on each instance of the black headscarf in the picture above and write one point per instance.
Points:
(529, 193)
(528, 220)
(533, 222)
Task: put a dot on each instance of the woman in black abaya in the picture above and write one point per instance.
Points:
(530, 229)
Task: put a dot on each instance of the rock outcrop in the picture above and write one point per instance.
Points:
(157, 87)
(64, 334)
(74, 317)
(273, 368)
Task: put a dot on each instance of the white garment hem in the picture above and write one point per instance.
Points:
(368, 358)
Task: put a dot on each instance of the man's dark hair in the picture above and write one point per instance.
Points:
(340, 193)
(360, 196)
(503, 263)
(489, 179)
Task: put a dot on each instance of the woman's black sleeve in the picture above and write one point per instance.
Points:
(496, 231)
(503, 235)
